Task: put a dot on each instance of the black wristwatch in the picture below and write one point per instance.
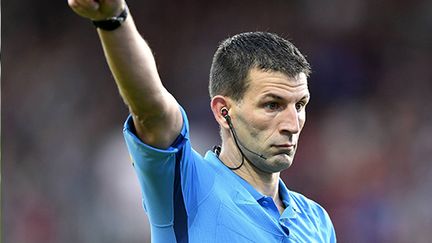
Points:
(113, 22)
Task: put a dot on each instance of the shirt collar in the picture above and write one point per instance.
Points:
(291, 207)
(255, 194)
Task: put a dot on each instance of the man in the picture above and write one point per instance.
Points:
(258, 88)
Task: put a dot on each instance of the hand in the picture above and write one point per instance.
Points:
(97, 9)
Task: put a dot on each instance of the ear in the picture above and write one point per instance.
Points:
(217, 103)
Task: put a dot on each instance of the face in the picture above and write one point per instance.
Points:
(270, 116)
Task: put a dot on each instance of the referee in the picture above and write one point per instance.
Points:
(259, 92)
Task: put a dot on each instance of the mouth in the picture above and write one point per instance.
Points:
(286, 148)
(285, 145)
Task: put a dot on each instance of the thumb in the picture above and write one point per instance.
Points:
(94, 4)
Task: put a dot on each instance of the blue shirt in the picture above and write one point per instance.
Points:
(189, 198)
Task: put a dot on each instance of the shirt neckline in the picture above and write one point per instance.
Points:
(291, 207)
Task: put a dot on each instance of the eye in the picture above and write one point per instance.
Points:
(300, 105)
(272, 106)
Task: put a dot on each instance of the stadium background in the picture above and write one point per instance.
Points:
(365, 152)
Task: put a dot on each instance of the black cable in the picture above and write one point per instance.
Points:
(228, 119)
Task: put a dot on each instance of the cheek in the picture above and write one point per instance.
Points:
(264, 129)
(302, 119)
(253, 125)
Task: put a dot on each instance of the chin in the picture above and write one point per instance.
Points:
(279, 163)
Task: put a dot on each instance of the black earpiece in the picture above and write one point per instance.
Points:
(224, 112)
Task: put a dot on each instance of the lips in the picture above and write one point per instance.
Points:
(286, 145)
(286, 148)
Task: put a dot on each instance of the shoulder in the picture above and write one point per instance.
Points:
(140, 151)
(306, 203)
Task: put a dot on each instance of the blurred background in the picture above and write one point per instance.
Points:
(365, 152)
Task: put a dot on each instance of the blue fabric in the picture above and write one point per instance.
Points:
(189, 198)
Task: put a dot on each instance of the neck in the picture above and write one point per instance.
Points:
(264, 182)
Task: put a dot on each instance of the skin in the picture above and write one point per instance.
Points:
(268, 120)
(265, 124)
(154, 110)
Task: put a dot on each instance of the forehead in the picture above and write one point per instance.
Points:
(260, 82)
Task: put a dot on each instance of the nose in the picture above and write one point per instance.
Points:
(289, 121)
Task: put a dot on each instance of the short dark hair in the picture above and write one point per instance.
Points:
(237, 55)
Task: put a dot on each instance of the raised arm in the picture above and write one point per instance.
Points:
(155, 111)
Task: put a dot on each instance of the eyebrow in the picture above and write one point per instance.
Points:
(306, 97)
(277, 97)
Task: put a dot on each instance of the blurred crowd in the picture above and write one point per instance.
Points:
(365, 153)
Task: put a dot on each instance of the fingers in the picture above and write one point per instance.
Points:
(85, 8)
(84, 4)
(93, 4)
(96, 9)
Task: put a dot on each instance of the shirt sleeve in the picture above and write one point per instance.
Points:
(155, 169)
(329, 228)
(326, 225)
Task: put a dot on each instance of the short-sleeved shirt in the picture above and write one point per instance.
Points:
(190, 198)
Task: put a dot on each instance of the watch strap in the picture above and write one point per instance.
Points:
(112, 23)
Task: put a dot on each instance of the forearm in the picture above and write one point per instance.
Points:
(156, 114)
(133, 66)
